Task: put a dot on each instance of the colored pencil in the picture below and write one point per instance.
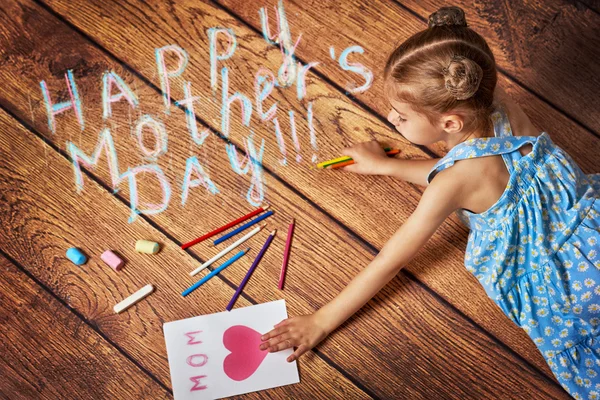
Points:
(345, 158)
(250, 270)
(243, 227)
(350, 162)
(228, 249)
(214, 272)
(286, 254)
(224, 227)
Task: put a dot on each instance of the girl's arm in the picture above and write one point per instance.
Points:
(370, 159)
(413, 171)
(436, 204)
(439, 200)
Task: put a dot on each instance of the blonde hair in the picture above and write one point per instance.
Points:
(446, 67)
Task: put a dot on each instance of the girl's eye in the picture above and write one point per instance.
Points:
(400, 119)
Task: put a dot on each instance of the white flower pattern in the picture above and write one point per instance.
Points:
(536, 251)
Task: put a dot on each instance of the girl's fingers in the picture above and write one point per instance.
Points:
(348, 151)
(299, 351)
(281, 323)
(272, 342)
(282, 345)
(281, 342)
(273, 333)
(349, 168)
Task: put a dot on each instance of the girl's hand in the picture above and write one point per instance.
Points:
(368, 158)
(303, 332)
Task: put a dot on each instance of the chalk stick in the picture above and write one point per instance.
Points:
(134, 298)
(146, 246)
(113, 260)
(76, 256)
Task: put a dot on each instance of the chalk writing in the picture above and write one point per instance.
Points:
(160, 136)
(74, 103)
(164, 74)
(264, 77)
(280, 141)
(228, 100)
(190, 115)
(287, 72)
(108, 80)
(171, 63)
(192, 165)
(356, 67)
(214, 57)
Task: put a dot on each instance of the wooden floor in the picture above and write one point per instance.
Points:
(431, 333)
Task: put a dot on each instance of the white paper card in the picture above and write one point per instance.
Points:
(217, 355)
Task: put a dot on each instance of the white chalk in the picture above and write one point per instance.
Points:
(134, 298)
(227, 250)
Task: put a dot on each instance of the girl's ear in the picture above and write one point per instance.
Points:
(452, 123)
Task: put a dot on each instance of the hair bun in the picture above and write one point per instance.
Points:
(462, 77)
(451, 16)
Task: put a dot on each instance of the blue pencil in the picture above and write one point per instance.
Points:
(241, 228)
(214, 272)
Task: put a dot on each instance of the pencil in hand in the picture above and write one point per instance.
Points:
(343, 161)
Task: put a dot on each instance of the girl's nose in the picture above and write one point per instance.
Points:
(391, 116)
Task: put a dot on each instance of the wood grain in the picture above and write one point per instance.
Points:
(48, 352)
(39, 51)
(36, 206)
(341, 116)
(550, 48)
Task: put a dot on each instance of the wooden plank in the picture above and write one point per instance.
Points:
(549, 47)
(49, 353)
(593, 5)
(36, 206)
(305, 295)
(341, 116)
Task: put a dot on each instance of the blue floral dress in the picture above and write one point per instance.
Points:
(536, 250)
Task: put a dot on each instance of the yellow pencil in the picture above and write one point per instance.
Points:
(344, 158)
(333, 161)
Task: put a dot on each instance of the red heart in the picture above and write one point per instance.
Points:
(245, 357)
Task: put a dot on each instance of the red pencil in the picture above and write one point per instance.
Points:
(286, 254)
(224, 227)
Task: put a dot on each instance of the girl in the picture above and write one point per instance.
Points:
(533, 216)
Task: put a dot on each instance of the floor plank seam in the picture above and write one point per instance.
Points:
(520, 83)
(85, 320)
(374, 250)
(326, 79)
(325, 359)
(283, 182)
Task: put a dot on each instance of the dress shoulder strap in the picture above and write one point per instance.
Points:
(503, 143)
(502, 128)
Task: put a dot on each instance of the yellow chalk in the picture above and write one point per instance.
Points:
(146, 246)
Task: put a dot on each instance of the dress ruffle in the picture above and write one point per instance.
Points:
(536, 251)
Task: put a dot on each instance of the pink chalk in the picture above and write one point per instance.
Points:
(112, 260)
